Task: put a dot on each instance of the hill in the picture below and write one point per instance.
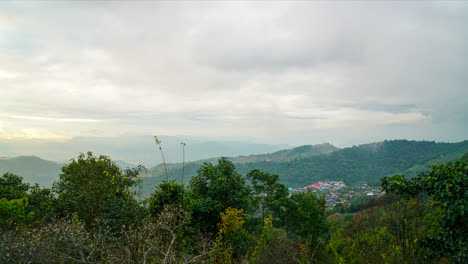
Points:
(355, 165)
(363, 164)
(175, 169)
(136, 149)
(288, 154)
(37, 170)
(32, 169)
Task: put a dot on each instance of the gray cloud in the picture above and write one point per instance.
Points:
(295, 72)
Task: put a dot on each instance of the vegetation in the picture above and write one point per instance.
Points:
(356, 165)
(93, 215)
(446, 186)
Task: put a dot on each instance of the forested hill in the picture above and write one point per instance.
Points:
(32, 169)
(363, 164)
(175, 169)
(289, 154)
(359, 164)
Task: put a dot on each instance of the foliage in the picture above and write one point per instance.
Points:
(214, 189)
(92, 216)
(268, 192)
(167, 193)
(13, 212)
(389, 231)
(464, 157)
(67, 240)
(37, 201)
(305, 216)
(41, 202)
(445, 185)
(263, 240)
(360, 164)
(95, 187)
(231, 221)
(12, 186)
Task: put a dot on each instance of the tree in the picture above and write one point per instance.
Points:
(167, 193)
(268, 192)
(14, 212)
(96, 188)
(12, 186)
(41, 201)
(446, 185)
(34, 199)
(214, 189)
(305, 215)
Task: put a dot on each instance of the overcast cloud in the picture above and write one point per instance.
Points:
(284, 72)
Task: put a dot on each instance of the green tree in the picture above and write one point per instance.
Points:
(96, 188)
(268, 192)
(12, 186)
(213, 190)
(42, 202)
(464, 157)
(446, 185)
(13, 212)
(305, 215)
(167, 193)
(39, 201)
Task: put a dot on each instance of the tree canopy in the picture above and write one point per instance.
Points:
(94, 187)
(446, 185)
(215, 188)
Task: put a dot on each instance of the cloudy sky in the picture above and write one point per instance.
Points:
(284, 72)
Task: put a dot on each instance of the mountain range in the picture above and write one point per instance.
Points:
(365, 163)
(297, 167)
(134, 149)
(32, 169)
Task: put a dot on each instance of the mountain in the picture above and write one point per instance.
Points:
(124, 165)
(37, 170)
(32, 169)
(358, 164)
(174, 170)
(135, 149)
(363, 164)
(288, 154)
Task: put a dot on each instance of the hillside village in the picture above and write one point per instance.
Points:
(336, 192)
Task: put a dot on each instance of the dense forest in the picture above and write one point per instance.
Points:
(95, 213)
(355, 165)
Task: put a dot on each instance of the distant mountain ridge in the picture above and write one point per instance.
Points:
(135, 149)
(36, 170)
(157, 173)
(297, 167)
(288, 154)
(278, 156)
(365, 163)
(32, 169)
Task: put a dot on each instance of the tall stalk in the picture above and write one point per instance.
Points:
(158, 142)
(183, 160)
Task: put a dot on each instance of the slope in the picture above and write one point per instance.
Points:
(358, 164)
(174, 170)
(32, 169)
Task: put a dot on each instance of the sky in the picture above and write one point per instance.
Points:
(275, 72)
